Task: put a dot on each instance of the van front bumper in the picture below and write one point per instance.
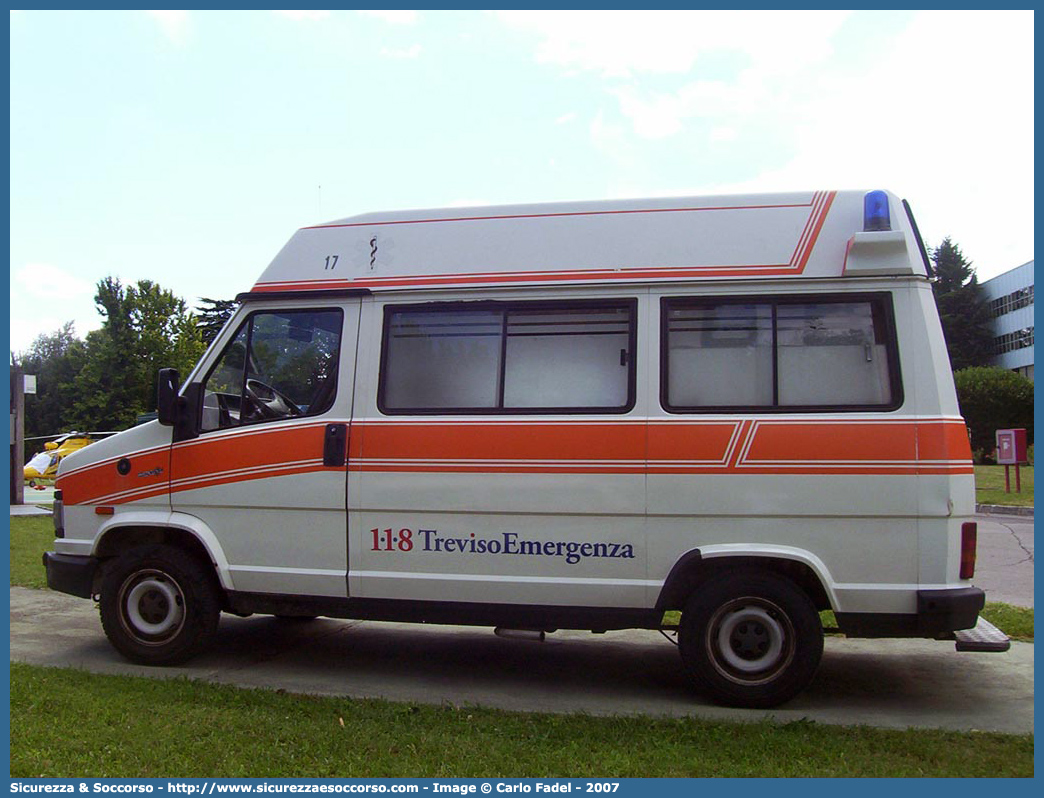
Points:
(939, 612)
(69, 573)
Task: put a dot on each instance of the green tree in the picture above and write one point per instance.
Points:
(56, 360)
(992, 398)
(963, 308)
(144, 328)
(211, 315)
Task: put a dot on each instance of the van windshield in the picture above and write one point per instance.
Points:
(279, 364)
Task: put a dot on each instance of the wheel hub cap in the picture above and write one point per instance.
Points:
(152, 607)
(750, 641)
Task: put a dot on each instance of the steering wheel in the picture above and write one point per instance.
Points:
(269, 401)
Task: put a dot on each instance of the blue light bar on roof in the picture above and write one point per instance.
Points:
(875, 212)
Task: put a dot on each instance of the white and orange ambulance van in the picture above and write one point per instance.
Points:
(575, 416)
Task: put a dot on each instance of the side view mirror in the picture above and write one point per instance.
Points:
(167, 396)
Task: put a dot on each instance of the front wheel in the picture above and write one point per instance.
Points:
(159, 605)
(751, 638)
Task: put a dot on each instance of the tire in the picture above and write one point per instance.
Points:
(159, 605)
(750, 638)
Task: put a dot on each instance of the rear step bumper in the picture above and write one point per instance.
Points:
(984, 636)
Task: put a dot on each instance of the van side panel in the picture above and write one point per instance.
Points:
(846, 487)
(487, 508)
(516, 509)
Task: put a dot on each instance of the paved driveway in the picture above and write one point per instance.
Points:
(888, 683)
(1004, 567)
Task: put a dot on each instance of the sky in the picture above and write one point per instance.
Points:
(187, 147)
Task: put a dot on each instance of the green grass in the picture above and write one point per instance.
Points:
(1015, 622)
(989, 486)
(31, 536)
(71, 723)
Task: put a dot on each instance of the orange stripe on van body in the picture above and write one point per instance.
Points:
(579, 275)
(247, 453)
(495, 441)
(710, 442)
(557, 215)
(945, 441)
(748, 446)
(628, 446)
(820, 208)
(812, 442)
(219, 458)
(95, 482)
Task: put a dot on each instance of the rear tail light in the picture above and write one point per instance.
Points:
(969, 533)
(58, 513)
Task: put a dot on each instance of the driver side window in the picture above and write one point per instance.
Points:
(279, 364)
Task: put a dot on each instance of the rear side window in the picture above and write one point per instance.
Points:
(781, 354)
(508, 358)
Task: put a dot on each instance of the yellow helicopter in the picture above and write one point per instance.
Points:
(43, 467)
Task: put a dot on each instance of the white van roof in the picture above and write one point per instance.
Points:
(801, 234)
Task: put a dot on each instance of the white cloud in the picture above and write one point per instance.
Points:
(174, 24)
(655, 117)
(940, 111)
(945, 118)
(56, 295)
(722, 134)
(300, 15)
(767, 49)
(401, 52)
(619, 149)
(394, 17)
(565, 119)
(45, 281)
(624, 43)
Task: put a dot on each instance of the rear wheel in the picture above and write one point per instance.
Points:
(159, 605)
(751, 638)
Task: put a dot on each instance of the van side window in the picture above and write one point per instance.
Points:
(779, 354)
(537, 357)
(279, 364)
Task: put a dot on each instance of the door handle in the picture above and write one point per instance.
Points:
(335, 445)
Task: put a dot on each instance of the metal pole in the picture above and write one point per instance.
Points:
(17, 436)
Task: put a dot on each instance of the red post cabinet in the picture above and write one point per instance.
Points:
(1011, 447)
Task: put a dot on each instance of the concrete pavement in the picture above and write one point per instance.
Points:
(1004, 564)
(887, 683)
(37, 501)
